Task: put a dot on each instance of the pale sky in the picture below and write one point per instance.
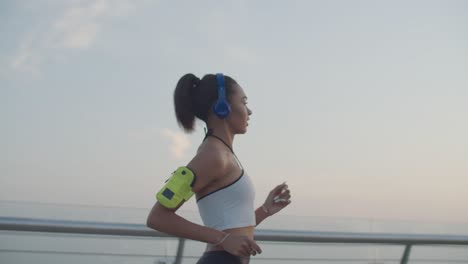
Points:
(361, 106)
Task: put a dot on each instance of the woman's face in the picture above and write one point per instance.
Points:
(239, 116)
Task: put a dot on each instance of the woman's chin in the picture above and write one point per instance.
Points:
(242, 131)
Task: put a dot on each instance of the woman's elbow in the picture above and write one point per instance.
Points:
(161, 218)
(158, 218)
(151, 222)
(154, 219)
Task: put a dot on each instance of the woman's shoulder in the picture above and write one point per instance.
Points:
(209, 163)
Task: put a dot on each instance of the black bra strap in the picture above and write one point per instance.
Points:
(209, 133)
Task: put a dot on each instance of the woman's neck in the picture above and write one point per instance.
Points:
(226, 137)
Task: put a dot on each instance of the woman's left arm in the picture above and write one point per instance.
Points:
(277, 199)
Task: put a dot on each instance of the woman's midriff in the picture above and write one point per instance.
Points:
(247, 231)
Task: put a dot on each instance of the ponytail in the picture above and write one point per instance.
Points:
(183, 101)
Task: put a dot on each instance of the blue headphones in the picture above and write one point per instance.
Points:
(221, 107)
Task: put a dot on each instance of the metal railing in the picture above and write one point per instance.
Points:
(140, 230)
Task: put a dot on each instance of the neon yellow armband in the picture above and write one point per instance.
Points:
(178, 188)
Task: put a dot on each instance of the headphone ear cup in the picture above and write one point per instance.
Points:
(221, 108)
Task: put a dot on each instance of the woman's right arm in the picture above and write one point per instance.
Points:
(167, 221)
(207, 166)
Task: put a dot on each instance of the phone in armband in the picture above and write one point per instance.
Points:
(178, 188)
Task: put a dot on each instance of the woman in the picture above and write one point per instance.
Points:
(223, 190)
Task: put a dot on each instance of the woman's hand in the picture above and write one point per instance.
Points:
(277, 199)
(241, 246)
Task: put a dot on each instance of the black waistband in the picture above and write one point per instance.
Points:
(221, 256)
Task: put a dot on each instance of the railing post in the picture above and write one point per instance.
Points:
(180, 251)
(406, 254)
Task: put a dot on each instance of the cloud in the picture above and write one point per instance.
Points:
(77, 27)
(26, 60)
(180, 143)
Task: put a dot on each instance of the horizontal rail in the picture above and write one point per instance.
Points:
(353, 237)
(140, 230)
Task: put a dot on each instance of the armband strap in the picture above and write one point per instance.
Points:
(178, 188)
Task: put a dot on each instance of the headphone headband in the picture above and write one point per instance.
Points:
(221, 87)
(221, 107)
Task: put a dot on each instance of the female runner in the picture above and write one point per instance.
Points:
(224, 191)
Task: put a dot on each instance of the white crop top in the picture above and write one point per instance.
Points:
(230, 206)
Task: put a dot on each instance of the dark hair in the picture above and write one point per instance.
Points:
(195, 98)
